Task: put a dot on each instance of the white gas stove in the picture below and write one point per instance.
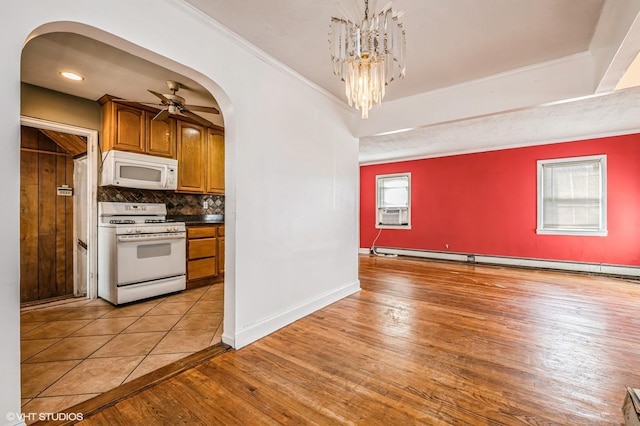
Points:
(140, 253)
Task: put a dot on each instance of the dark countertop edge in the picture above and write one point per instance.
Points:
(197, 220)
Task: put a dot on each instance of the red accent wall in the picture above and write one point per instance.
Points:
(485, 203)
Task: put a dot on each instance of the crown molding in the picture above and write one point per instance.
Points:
(250, 48)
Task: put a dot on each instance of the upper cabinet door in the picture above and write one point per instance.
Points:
(129, 128)
(162, 136)
(215, 162)
(192, 157)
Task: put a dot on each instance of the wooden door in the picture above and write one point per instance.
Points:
(46, 218)
(191, 157)
(215, 162)
(162, 136)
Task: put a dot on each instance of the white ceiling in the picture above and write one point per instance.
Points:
(449, 42)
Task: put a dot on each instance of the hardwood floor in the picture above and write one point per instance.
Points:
(423, 343)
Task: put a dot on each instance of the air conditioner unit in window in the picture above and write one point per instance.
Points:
(396, 216)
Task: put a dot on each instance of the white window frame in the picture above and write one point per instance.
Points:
(378, 201)
(602, 231)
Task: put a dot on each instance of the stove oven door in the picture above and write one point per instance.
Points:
(146, 257)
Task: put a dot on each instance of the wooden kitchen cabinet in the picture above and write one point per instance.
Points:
(192, 157)
(199, 150)
(129, 128)
(123, 127)
(203, 255)
(200, 159)
(162, 136)
(215, 162)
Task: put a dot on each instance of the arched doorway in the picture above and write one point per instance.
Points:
(92, 185)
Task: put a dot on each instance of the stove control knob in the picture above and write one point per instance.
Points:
(130, 231)
(138, 230)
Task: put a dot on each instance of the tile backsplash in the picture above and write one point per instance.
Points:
(178, 204)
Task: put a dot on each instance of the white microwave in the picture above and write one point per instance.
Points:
(121, 168)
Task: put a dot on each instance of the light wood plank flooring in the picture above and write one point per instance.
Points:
(423, 343)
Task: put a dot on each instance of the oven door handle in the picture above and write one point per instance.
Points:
(138, 238)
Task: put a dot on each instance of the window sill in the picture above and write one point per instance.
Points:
(393, 227)
(574, 232)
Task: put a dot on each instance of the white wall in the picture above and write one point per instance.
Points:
(292, 165)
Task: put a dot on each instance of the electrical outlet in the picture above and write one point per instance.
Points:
(205, 205)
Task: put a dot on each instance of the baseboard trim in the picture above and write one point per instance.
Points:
(585, 267)
(267, 326)
(228, 340)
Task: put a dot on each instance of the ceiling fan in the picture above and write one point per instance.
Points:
(174, 104)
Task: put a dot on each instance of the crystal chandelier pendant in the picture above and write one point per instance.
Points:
(367, 52)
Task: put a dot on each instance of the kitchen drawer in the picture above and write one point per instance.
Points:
(202, 268)
(221, 231)
(201, 231)
(203, 247)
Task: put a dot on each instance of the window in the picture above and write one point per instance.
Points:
(572, 196)
(393, 201)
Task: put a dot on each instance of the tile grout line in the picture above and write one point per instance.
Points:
(165, 334)
(81, 360)
(38, 396)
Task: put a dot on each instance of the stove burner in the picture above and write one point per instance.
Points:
(120, 221)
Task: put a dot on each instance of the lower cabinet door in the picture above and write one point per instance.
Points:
(202, 268)
(204, 247)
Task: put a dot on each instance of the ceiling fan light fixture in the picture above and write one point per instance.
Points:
(367, 51)
(70, 75)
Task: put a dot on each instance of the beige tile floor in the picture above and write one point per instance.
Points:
(76, 349)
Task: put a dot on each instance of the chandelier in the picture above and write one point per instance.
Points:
(367, 51)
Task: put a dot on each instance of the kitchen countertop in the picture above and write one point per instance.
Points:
(206, 219)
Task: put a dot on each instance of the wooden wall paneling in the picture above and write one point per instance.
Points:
(29, 138)
(46, 227)
(28, 225)
(46, 220)
(64, 228)
(46, 144)
(70, 242)
(60, 229)
(73, 144)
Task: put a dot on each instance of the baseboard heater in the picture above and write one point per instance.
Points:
(594, 268)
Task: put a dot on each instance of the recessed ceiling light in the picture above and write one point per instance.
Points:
(71, 75)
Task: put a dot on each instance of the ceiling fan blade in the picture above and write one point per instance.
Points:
(196, 118)
(162, 98)
(201, 108)
(162, 115)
